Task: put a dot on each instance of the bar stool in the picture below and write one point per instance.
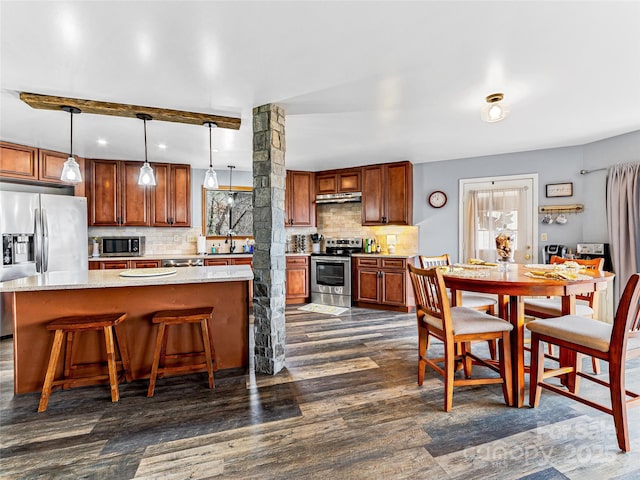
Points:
(166, 318)
(70, 326)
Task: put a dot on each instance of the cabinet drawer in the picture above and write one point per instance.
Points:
(241, 261)
(145, 263)
(297, 260)
(212, 262)
(367, 262)
(394, 263)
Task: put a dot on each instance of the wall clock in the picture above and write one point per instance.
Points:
(437, 199)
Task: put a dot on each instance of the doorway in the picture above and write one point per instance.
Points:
(492, 204)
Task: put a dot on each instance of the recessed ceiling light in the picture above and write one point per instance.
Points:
(101, 141)
(162, 146)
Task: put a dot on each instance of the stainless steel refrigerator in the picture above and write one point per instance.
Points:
(40, 233)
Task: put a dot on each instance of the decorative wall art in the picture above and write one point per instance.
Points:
(219, 215)
(559, 189)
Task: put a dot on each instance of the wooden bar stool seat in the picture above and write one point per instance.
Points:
(166, 318)
(71, 327)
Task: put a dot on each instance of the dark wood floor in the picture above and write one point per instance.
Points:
(346, 407)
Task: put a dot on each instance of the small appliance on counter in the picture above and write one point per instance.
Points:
(595, 250)
(549, 250)
(122, 246)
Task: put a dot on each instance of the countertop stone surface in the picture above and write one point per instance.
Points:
(178, 256)
(382, 255)
(112, 278)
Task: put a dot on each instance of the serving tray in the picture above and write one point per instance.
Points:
(147, 272)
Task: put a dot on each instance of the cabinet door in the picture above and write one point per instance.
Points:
(367, 286)
(326, 183)
(135, 198)
(145, 263)
(297, 280)
(50, 169)
(160, 196)
(349, 181)
(372, 195)
(399, 193)
(301, 207)
(95, 266)
(393, 291)
(114, 264)
(180, 195)
(103, 190)
(18, 161)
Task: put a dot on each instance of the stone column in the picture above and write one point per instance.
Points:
(269, 264)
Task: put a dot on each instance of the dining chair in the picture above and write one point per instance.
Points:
(586, 304)
(457, 327)
(476, 301)
(612, 343)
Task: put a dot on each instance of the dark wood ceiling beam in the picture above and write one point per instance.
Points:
(49, 102)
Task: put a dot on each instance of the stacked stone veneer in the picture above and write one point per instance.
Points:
(269, 265)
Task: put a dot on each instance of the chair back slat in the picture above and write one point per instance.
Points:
(437, 261)
(626, 318)
(588, 264)
(428, 288)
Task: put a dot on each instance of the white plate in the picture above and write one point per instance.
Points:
(147, 272)
(543, 266)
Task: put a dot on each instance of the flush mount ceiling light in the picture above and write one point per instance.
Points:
(146, 177)
(71, 169)
(495, 109)
(210, 177)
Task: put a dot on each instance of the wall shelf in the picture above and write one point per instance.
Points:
(575, 208)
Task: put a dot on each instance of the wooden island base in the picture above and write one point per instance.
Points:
(34, 309)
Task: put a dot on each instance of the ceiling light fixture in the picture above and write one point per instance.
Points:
(495, 109)
(230, 197)
(102, 142)
(146, 177)
(210, 177)
(71, 169)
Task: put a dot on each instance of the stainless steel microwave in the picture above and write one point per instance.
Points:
(122, 246)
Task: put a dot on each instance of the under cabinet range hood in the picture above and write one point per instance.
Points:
(339, 197)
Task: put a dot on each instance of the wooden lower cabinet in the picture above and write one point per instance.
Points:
(297, 280)
(382, 283)
(123, 264)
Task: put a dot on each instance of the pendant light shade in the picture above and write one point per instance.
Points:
(146, 177)
(210, 177)
(71, 169)
(230, 196)
(495, 109)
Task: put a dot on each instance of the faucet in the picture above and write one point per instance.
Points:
(229, 239)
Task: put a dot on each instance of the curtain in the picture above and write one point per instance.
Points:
(489, 211)
(623, 222)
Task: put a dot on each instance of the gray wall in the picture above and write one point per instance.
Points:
(240, 179)
(438, 228)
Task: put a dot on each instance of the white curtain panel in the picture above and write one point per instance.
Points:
(623, 220)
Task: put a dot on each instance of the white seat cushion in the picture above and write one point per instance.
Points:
(553, 307)
(469, 321)
(575, 329)
(474, 300)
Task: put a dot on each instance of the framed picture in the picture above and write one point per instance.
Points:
(219, 215)
(560, 189)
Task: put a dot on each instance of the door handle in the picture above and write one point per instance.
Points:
(45, 246)
(37, 240)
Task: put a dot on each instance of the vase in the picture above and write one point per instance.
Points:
(505, 249)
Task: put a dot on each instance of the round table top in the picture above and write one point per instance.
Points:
(515, 282)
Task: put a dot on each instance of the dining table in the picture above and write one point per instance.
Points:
(512, 285)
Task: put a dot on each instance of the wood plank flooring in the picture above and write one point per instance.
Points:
(347, 406)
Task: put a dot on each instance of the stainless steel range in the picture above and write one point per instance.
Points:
(331, 272)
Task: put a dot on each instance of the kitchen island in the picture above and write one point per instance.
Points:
(38, 299)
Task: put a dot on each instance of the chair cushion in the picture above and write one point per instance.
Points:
(575, 329)
(469, 321)
(552, 307)
(474, 300)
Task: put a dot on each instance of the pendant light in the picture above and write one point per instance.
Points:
(230, 197)
(495, 109)
(210, 177)
(146, 177)
(71, 169)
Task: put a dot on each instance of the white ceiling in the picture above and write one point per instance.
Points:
(361, 82)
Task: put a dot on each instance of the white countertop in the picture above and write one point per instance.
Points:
(112, 278)
(382, 255)
(177, 256)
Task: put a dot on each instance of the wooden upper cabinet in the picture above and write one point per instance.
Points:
(171, 197)
(338, 181)
(18, 161)
(300, 207)
(114, 196)
(387, 194)
(51, 165)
